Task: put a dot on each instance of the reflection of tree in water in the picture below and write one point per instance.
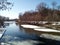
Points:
(1, 23)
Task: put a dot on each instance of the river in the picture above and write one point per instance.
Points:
(15, 35)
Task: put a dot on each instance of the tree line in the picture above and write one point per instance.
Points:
(43, 12)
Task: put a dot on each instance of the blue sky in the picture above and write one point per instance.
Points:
(20, 6)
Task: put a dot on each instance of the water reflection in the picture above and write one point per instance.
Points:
(6, 24)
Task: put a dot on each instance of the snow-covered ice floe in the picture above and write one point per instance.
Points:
(39, 28)
(31, 26)
(2, 30)
(47, 30)
(26, 42)
(50, 36)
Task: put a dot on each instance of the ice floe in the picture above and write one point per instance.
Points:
(39, 28)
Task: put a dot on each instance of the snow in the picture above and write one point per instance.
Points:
(31, 26)
(0, 35)
(38, 28)
(50, 36)
(2, 30)
(26, 42)
(47, 30)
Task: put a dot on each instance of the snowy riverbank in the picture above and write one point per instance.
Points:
(39, 28)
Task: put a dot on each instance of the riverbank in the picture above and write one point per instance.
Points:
(51, 25)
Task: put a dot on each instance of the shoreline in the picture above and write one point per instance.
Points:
(37, 30)
(44, 35)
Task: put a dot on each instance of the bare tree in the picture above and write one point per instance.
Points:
(58, 7)
(54, 10)
(4, 4)
(41, 6)
(54, 5)
(42, 10)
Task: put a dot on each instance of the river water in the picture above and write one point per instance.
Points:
(15, 35)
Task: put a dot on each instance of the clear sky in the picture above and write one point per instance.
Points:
(20, 6)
